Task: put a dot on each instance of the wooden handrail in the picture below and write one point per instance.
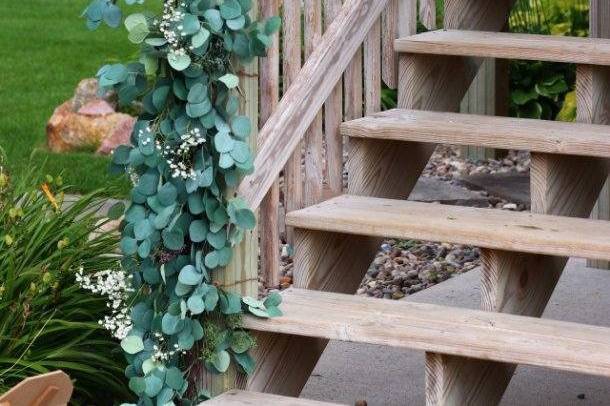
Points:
(286, 127)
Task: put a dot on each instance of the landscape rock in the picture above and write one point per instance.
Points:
(87, 91)
(120, 136)
(96, 108)
(68, 130)
(88, 122)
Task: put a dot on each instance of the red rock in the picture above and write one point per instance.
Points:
(120, 136)
(96, 108)
(87, 91)
(67, 130)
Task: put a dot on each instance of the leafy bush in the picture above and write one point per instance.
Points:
(46, 321)
(539, 89)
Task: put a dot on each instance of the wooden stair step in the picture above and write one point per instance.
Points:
(243, 398)
(553, 137)
(441, 329)
(486, 228)
(587, 51)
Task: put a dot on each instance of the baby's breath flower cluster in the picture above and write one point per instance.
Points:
(114, 284)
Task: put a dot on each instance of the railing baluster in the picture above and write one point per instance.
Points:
(314, 141)
(372, 70)
(291, 50)
(333, 116)
(269, 211)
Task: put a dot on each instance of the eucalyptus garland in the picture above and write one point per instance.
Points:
(189, 146)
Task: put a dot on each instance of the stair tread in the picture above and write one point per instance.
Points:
(588, 51)
(243, 398)
(486, 228)
(552, 137)
(441, 329)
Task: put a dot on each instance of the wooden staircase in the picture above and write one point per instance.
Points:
(470, 355)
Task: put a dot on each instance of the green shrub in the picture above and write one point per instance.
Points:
(539, 89)
(46, 321)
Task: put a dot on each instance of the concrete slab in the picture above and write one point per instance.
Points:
(431, 190)
(386, 376)
(513, 187)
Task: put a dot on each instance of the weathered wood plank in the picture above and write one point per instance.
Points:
(551, 137)
(243, 398)
(389, 32)
(427, 13)
(442, 329)
(291, 58)
(590, 51)
(481, 99)
(314, 139)
(488, 228)
(269, 77)
(333, 116)
(372, 70)
(353, 87)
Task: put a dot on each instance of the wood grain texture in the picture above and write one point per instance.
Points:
(243, 398)
(336, 262)
(592, 51)
(333, 116)
(427, 13)
(277, 355)
(561, 185)
(599, 27)
(269, 77)
(487, 228)
(372, 70)
(441, 329)
(480, 99)
(352, 79)
(389, 32)
(314, 138)
(291, 59)
(302, 102)
(551, 137)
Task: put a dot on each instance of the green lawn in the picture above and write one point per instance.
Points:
(45, 50)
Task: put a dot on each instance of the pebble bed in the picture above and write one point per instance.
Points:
(402, 268)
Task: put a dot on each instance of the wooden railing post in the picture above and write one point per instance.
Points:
(241, 275)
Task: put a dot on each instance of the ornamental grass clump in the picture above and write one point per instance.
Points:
(46, 321)
(189, 150)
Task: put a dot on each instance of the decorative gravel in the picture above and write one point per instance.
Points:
(402, 268)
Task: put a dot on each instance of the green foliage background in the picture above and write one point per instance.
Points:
(46, 321)
(45, 53)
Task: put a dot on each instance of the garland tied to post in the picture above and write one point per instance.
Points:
(189, 146)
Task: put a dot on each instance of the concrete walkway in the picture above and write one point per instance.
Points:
(386, 376)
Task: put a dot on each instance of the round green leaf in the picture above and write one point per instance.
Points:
(198, 231)
(189, 276)
(174, 378)
(178, 61)
(153, 385)
(241, 126)
(132, 344)
(230, 9)
(196, 304)
(230, 80)
(221, 361)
